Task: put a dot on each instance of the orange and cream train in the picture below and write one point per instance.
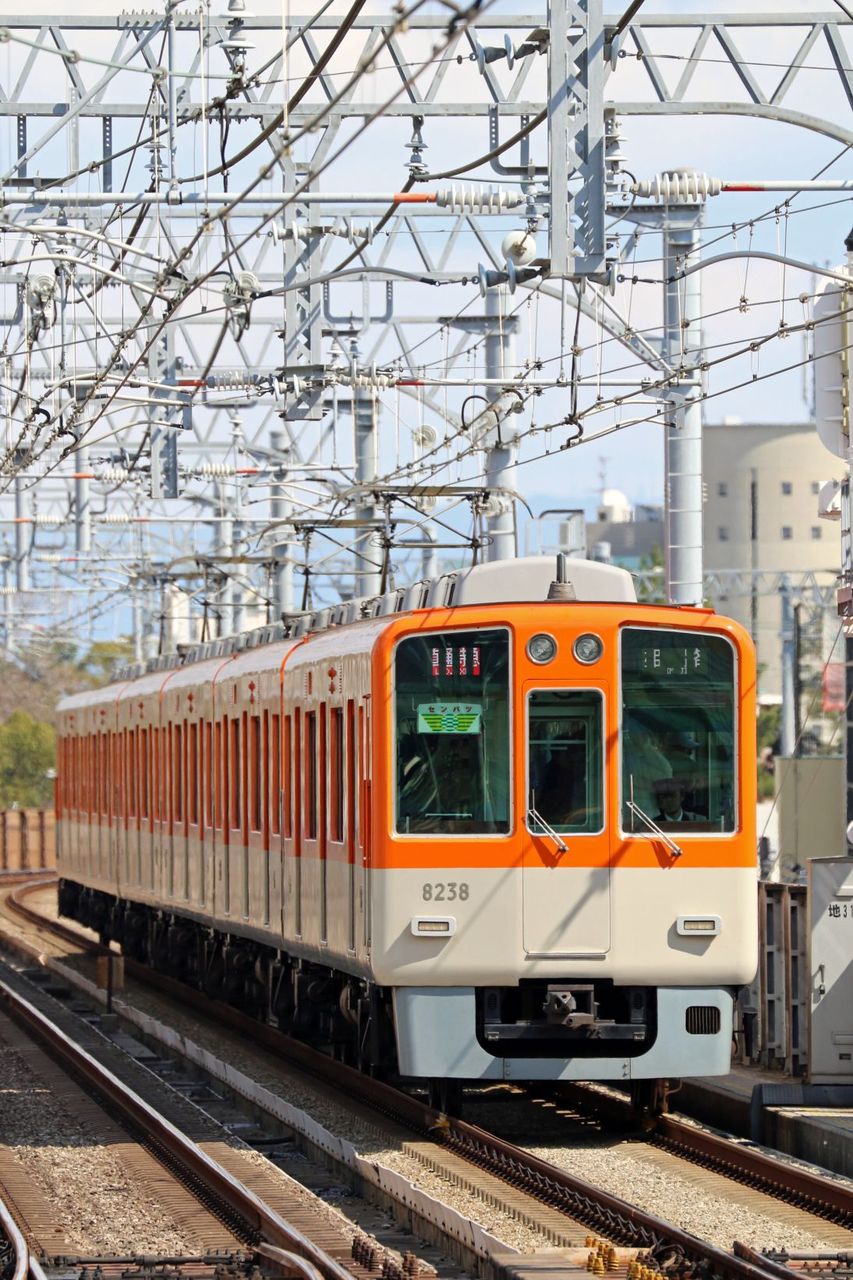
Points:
(495, 826)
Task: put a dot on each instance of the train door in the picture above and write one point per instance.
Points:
(566, 872)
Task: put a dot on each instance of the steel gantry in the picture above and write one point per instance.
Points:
(335, 231)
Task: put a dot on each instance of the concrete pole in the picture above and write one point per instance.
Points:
(136, 618)
(223, 536)
(788, 725)
(368, 554)
(429, 555)
(502, 451)
(82, 504)
(280, 509)
(23, 533)
(847, 569)
(8, 612)
(683, 441)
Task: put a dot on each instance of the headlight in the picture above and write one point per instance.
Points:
(587, 648)
(541, 648)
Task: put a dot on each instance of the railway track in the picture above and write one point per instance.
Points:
(227, 1212)
(741, 1161)
(661, 1244)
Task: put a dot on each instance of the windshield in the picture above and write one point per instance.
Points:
(678, 731)
(452, 733)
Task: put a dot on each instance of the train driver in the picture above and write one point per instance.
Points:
(670, 798)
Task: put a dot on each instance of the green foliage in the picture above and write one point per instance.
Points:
(768, 726)
(105, 655)
(767, 731)
(27, 762)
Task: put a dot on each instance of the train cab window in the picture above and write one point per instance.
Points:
(678, 732)
(452, 733)
(565, 760)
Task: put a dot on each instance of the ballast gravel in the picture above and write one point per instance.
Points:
(638, 1174)
(100, 1209)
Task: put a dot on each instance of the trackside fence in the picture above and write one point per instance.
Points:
(27, 839)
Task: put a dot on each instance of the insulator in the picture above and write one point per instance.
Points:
(233, 380)
(215, 470)
(115, 517)
(372, 380)
(425, 436)
(113, 475)
(687, 186)
(477, 199)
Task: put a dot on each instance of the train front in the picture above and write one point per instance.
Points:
(563, 883)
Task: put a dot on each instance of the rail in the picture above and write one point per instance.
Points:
(17, 1244)
(268, 1227)
(600, 1211)
(744, 1162)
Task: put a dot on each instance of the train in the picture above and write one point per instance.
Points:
(494, 826)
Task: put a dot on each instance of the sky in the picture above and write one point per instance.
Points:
(741, 302)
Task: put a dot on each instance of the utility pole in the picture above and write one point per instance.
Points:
(280, 509)
(788, 727)
(368, 560)
(223, 541)
(683, 440)
(23, 534)
(82, 503)
(502, 449)
(832, 402)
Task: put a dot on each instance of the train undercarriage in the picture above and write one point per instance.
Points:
(347, 1017)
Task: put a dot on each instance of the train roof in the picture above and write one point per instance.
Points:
(528, 579)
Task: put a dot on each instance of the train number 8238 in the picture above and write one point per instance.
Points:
(446, 892)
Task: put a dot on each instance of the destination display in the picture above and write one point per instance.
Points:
(669, 660)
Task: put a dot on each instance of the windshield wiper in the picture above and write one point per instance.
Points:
(675, 850)
(562, 847)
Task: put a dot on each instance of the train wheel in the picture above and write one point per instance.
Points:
(446, 1096)
(649, 1100)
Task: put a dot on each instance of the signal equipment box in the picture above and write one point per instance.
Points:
(830, 882)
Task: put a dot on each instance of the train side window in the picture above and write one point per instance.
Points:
(311, 775)
(451, 696)
(177, 773)
(143, 774)
(678, 748)
(209, 774)
(219, 777)
(275, 774)
(289, 774)
(131, 790)
(192, 774)
(565, 761)
(235, 775)
(351, 774)
(266, 765)
(336, 756)
(255, 773)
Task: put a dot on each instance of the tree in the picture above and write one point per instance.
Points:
(105, 655)
(27, 762)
